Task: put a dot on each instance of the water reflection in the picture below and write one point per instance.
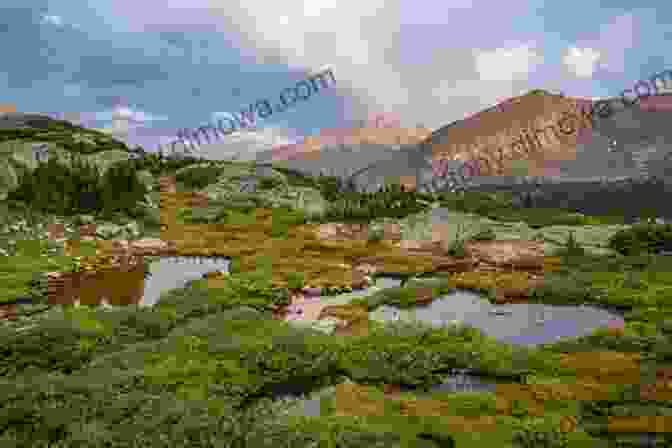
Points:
(520, 323)
(177, 272)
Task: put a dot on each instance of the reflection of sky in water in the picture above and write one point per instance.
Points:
(527, 323)
(175, 272)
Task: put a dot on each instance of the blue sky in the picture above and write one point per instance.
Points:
(169, 64)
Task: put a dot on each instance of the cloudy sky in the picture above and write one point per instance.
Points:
(167, 64)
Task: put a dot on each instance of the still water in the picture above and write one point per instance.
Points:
(521, 323)
(176, 272)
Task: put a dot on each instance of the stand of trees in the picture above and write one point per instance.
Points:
(55, 187)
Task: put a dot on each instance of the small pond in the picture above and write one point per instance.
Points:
(521, 323)
(458, 380)
(177, 272)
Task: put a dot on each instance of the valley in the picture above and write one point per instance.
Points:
(243, 305)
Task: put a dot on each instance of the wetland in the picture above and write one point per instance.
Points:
(298, 316)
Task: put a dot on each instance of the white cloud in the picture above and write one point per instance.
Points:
(581, 61)
(383, 59)
(246, 143)
(507, 64)
(137, 116)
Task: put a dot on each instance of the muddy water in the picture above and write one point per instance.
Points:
(521, 323)
(176, 272)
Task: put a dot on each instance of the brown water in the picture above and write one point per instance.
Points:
(121, 287)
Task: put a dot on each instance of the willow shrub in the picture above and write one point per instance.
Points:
(642, 238)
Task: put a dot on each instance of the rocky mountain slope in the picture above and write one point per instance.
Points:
(620, 145)
(358, 138)
(632, 142)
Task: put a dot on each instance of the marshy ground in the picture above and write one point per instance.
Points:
(219, 363)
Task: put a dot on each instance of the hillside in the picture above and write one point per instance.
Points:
(44, 129)
(300, 308)
(497, 127)
(27, 138)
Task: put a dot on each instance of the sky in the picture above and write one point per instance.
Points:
(170, 64)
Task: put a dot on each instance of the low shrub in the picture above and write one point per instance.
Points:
(268, 183)
(561, 289)
(198, 177)
(391, 201)
(642, 238)
(485, 235)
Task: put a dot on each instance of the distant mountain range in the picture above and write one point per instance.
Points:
(632, 142)
(350, 140)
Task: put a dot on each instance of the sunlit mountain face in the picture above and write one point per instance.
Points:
(631, 142)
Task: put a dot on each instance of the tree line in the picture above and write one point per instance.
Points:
(80, 187)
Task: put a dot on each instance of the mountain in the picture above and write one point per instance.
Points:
(476, 136)
(623, 144)
(630, 143)
(344, 160)
(639, 137)
(482, 134)
(349, 140)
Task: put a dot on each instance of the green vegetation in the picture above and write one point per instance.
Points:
(644, 237)
(499, 207)
(159, 165)
(66, 135)
(54, 187)
(484, 235)
(198, 178)
(111, 371)
(205, 366)
(298, 179)
(389, 202)
(538, 92)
